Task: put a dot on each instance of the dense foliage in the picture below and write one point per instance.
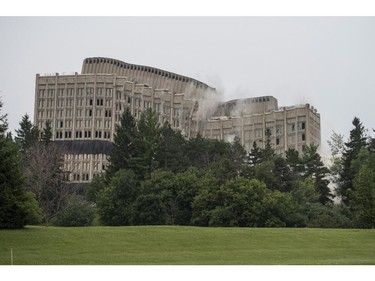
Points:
(17, 206)
(157, 177)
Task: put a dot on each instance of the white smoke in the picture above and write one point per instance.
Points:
(208, 104)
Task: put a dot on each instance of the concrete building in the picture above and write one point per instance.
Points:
(84, 108)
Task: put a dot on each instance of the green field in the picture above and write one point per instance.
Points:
(175, 245)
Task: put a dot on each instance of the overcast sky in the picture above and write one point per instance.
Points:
(328, 62)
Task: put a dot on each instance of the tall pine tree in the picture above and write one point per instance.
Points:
(357, 140)
(124, 146)
(27, 134)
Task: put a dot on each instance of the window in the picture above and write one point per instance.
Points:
(279, 130)
(69, 102)
(99, 102)
(87, 134)
(51, 93)
(108, 113)
(99, 91)
(89, 91)
(70, 92)
(303, 138)
(89, 102)
(80, 91)
(41, 93)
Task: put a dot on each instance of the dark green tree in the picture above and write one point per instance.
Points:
(203, 153)
(268, 153)
(124, 144)
(27, 134)
(17, 207)
(47, 133)
(294, 162)
(357, 140)
(95, 186)
(172, 154)
(237, 155)
(363, 197)
(148, 141)
(115, 202)
(3, 121)
(255, 155)
(77, 212)
(315, 168)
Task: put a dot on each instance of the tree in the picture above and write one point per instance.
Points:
(77, 212)
(148, 141)
(43, 169)
(3, 121)
(124, 146)
(47, 133)
(357, 140)
(363, 191)
(237, 155)
(203, 153)
(27, 135)
(255, 155)
(115, 202)
(336, 145)
(172, 154)
(268, 153)
(17, 207)
(315, 168)
(95, 186)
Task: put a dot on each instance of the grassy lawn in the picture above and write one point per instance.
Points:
(170, 245)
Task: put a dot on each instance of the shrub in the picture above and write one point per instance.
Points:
(77, 212)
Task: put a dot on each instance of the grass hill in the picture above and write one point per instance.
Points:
(176, 245)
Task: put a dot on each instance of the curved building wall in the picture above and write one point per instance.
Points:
(154, 77)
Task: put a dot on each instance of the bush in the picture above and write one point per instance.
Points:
(77, 212)
(327, 216)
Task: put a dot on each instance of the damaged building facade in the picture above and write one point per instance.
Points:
(84, 109)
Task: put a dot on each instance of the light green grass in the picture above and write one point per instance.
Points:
(186, 246)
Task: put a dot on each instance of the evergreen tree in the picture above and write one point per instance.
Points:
(268, 153)
(294, 162)
(27, 135)
(3, 121)
(148, 140)
(363, 202)
(255, 155)
(357, 140)
(237, 157)
(116, 201)
(172, 151)
(315, 168)
(47, 133)
(124, 146)
(17, 206)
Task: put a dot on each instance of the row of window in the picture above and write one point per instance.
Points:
(69, 92)
(83, 134)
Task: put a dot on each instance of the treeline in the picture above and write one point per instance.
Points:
(157, 177)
